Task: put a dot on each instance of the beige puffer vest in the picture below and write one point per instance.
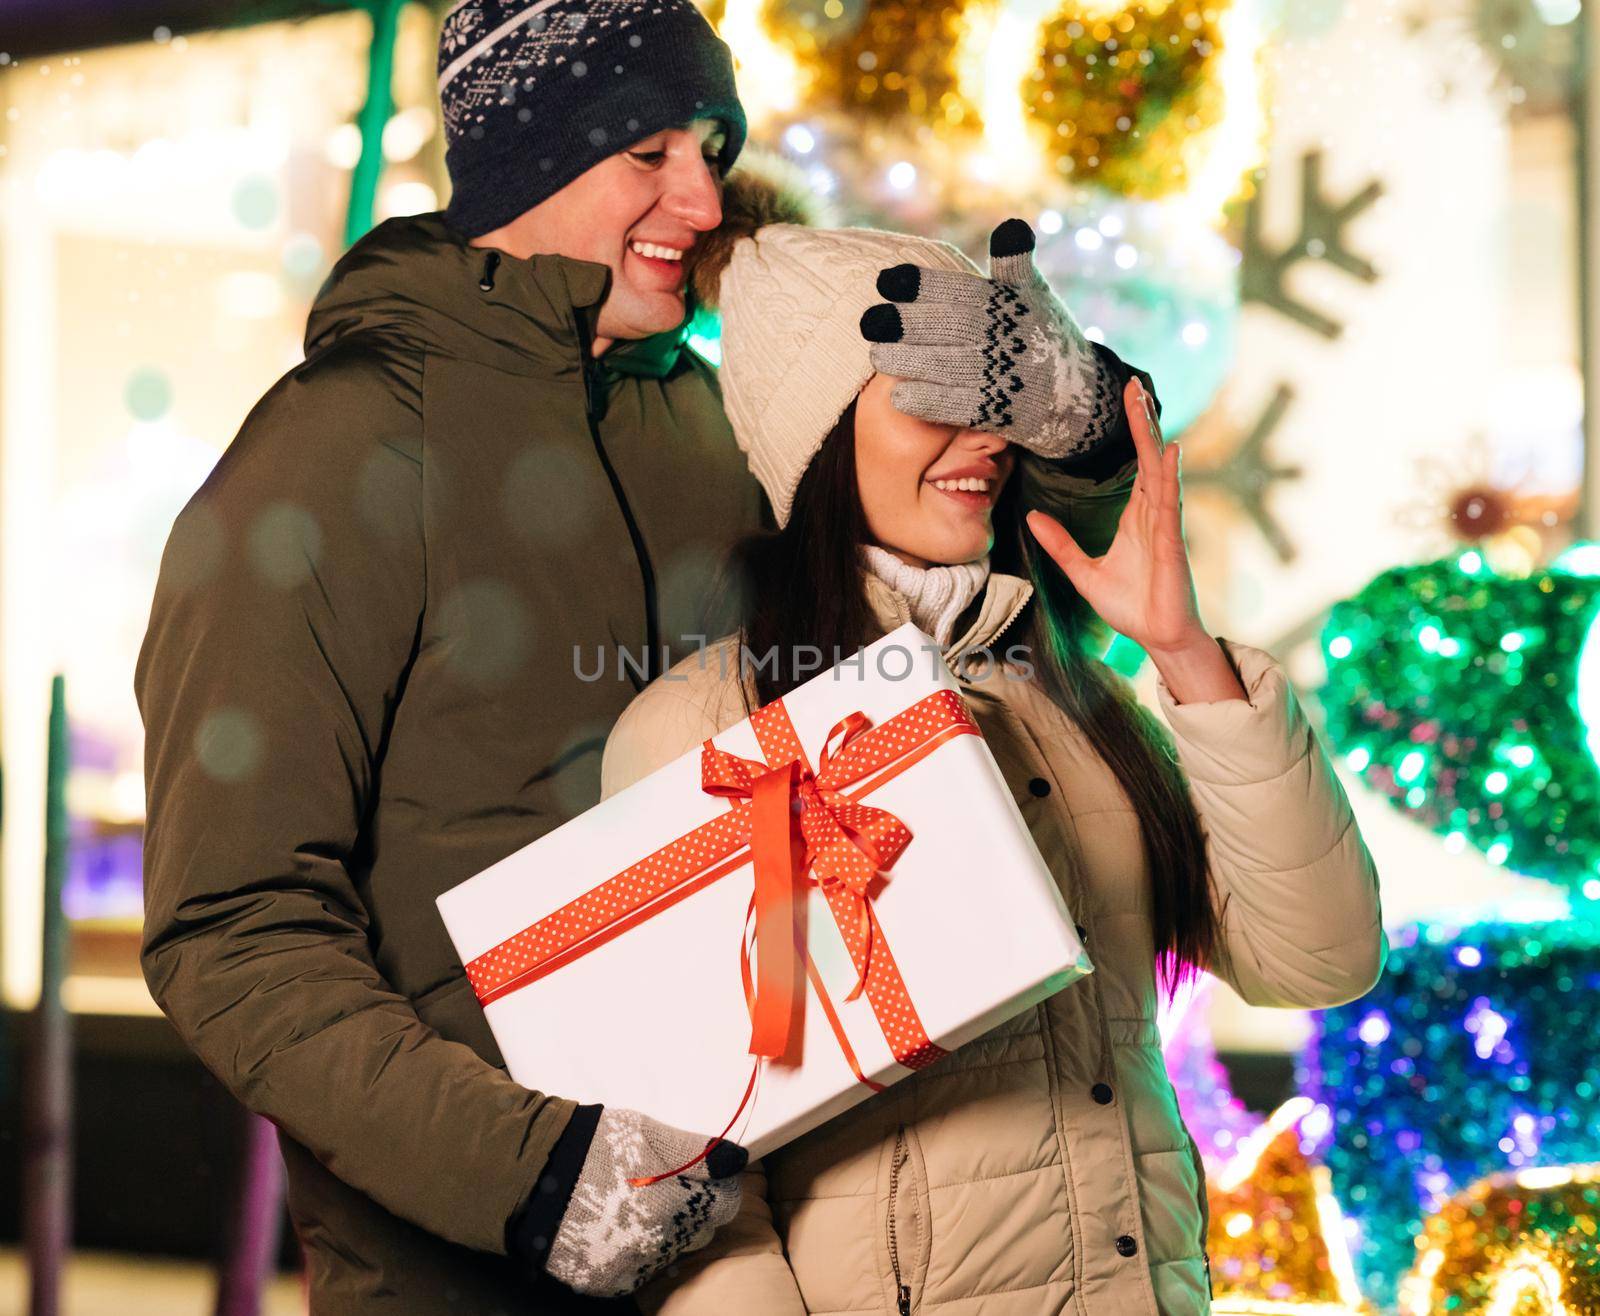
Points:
(1044, 1167)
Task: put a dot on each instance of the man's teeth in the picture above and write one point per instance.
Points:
(967, 484)
(660, 253)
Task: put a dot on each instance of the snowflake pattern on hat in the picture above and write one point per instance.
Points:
(465, 19)
(489, 52)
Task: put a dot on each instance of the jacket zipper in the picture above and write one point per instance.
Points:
(1205, 1210)
(902, 1290)
(594, 406)
(1015, 613)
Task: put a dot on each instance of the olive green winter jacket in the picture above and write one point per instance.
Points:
(360, 687)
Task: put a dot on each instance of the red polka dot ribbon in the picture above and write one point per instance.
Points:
(841, 844)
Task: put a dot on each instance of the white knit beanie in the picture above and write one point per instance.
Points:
(791, 298)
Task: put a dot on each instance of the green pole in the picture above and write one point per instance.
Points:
(385, 15)
(47, 1154)
(1586, 524)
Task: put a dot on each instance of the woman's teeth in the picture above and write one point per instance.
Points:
(659, 253)
(967, 484)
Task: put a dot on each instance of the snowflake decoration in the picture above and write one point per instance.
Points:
(1248, 473)
(1321, 238)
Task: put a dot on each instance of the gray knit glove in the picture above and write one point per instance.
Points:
(613, 1236)
(1000, 354)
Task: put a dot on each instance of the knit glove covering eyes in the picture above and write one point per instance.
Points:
(613, 1236)
(1000, 354)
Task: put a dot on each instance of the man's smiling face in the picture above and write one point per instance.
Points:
(639, 212)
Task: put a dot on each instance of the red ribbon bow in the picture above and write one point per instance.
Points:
(847, 844)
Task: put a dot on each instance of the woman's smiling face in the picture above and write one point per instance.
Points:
(928, 490)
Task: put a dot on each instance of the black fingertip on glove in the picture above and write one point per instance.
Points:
(1012, 238)
(726, 1159)
(900, 283)
(881, 324)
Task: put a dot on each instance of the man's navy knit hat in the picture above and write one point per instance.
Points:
(536, 93)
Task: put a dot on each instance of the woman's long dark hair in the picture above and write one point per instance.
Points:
(801, 586)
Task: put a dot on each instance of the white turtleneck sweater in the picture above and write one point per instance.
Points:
(937, 594)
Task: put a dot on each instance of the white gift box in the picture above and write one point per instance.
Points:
(654, 1016)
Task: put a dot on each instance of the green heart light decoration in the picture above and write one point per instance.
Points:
(1471, 701)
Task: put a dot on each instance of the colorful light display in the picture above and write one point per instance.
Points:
(1277, 1236)
(1514, 1244)
(1461, 695)
(1474, 1055)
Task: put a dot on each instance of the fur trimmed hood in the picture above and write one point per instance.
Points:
(763, 189)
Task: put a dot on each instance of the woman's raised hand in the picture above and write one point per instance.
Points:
(1141, 586)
